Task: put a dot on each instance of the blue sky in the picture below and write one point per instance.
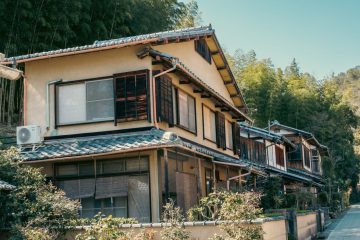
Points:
(323, 35)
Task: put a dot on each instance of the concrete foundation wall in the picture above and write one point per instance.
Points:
(306, 226)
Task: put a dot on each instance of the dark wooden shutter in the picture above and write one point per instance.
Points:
(164, 98)
(236, 138)
(279, 152)
(220, 130)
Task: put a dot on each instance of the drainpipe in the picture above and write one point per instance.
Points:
(47, 110)
(174, 62)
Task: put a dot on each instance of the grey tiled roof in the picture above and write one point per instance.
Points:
(99, 144)
(277, 138)
(82, 146)
(159, 36)
(6, 186)
(305, 173)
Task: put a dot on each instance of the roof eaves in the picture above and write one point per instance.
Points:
(185, 33)
(230, 73)
(181, 66)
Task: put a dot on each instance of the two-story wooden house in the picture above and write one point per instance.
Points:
(305, 159)
(128, 123)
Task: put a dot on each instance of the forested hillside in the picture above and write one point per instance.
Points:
(29, 26)
(297, 99)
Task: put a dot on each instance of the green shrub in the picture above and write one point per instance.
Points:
(323, 199)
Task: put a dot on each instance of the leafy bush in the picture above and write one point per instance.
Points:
(272, 197)
(107, 228)
(34, 206)
(231, 208)
(323, 199)
(173, 217)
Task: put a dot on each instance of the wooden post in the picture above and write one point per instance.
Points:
(214, 176)
(199, 178)
(167, 196)
(240, 181)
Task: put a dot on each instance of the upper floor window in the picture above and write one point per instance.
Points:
(202, 48)
(307, 157)
(209, 123)
(279, 152)
(229, 135)
(186, 113)
(87, 101)
(131, 96)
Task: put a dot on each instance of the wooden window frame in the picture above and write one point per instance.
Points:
(203, 124)
(206, 54)
(227, 137)
(177, 108)
(279, 152)
(57, 102)
(146, 72)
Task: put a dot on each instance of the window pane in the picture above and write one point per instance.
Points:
(120, 87)
(132, 165)
(86, 169)
(183, 109)
(67, 170)
(229, 137)
(212, 126)
(192, 118)
(209, 124)
(99, 90)
(112, 167)
(100, 110)
(71, 103)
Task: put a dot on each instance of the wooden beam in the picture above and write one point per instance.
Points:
(225, 110)
(184, 82)
(228, 82)
(219, 105)
(234, 95)
(198, 91)
(221, 68)
(215, 53)
(156, 62)
(205, 96)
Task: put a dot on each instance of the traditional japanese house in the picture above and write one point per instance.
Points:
(126, 124)
(305, 159)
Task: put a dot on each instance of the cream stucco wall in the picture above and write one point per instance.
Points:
(186, 53)
(76, 67)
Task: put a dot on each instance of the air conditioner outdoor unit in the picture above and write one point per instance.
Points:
(28, 135)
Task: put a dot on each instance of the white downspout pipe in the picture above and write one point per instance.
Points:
(47, 106)
(175, 62)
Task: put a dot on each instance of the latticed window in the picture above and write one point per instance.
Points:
(202, 48)
(131, 96)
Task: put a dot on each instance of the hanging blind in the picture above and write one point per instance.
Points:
(220, 130)
(139, 198)
(80, 188)
(165, 100)
(186, 190)
(116, 186)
